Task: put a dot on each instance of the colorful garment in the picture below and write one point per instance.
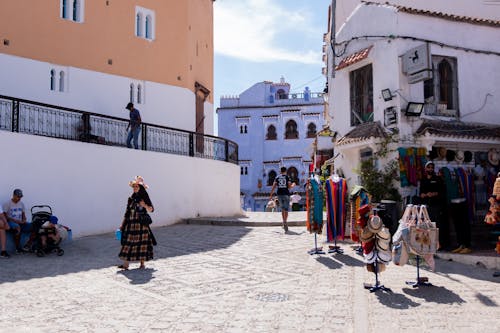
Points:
(314, 206)
(336, 208)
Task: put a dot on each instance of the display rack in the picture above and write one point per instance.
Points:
(316, 250)
(377, 285)
(421, 281)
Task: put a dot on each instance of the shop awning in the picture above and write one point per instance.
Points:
(354, 58)
(363, 132)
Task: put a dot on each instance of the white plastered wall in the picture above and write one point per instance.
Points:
(100, 93)
(87, 185)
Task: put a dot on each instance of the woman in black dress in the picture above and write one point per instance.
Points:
(137, 238)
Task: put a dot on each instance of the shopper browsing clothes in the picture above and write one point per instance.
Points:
(433, 195)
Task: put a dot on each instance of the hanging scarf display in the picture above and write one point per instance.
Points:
(467, 183)
(314, 206)
(359, 197)
(411, 165)
(335, 203)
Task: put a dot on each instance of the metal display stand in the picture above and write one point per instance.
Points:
(315, 250)
(377, 285)
(335, 248)
(421, 281)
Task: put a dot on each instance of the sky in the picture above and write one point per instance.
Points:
(263, 40)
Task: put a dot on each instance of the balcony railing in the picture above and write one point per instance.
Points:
(23, 116)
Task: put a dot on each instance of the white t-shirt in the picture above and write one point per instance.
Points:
(14, 210)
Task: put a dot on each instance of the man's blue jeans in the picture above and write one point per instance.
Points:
(133, 134)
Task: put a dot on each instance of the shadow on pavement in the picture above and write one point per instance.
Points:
(396, 301)
(101, 251)
(349, 261)
(138, 276)
(448, 268)
(329, 262)
(434, 294)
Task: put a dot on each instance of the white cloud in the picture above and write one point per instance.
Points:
(249, 30)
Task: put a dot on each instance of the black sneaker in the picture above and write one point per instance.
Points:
(4, 255)
(285, 226)
(20, 250)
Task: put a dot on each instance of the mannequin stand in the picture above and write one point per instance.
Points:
(421, 281)
(377, 285)
(335, 248)
(315, 250)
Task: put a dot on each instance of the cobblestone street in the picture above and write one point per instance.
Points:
(237, 279)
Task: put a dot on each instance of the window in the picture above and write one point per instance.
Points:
(293, 174)
(52, 79)
(291, 130)
(131, 93)
(271, 178)
(144, 23)
(280, 94)
(271, 133)
(58, 79)
(138, 25)
(139, 94)
(72, 10)
(148, 27)
(311, 130)
(361, 91)
(243, 129)
(61, 81)
(244, 170)
(441, 92)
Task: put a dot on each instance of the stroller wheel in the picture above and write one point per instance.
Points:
(40, 253)
(60, 252)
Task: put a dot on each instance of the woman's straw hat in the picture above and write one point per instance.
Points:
(138, 180)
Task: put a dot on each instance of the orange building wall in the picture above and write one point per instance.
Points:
(181, 53)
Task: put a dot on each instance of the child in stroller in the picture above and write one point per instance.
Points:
(46, 231)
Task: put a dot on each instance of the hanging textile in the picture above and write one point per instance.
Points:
(335, 203)
(411, 165)
(466, 180)
(314, 206)
(358, 197)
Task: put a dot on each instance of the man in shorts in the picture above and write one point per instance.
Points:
(283, 183)
(15, 213)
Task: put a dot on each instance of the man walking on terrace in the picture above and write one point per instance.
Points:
(134, 126)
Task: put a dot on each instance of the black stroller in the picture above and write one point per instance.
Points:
(41, 214)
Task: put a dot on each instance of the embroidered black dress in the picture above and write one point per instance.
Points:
(137, 241)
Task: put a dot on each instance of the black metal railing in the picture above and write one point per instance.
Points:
(24, 116)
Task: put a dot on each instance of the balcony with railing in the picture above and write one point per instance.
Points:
(24, 116)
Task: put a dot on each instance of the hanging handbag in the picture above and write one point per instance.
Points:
(424, 235)
(145, 219)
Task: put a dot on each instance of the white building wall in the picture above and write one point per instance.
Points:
(100, 93)
(87, 185)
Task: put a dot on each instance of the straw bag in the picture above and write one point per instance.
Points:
(424, 235)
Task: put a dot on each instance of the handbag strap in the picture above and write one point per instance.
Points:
(406, 215)
(425, 220)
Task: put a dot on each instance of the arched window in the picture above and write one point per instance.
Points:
(293, 174)
(52, 79)
(291, 130)
(446, 84)
(242, 170)
(311, 130)
(271, 133)
(246, 129)
(271, 178)
(76, 10)
(246, 170)
(280, 94)
(131, 93)
(138, 24)
(64, 9)
(61, 81)
(241, 129)
(139, 94)
(149, 26)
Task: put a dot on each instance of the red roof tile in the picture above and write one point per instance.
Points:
(354, 58)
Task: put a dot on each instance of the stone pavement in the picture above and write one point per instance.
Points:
(212, 278)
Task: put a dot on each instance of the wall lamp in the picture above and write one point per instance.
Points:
(414, 109)
(387, 95)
